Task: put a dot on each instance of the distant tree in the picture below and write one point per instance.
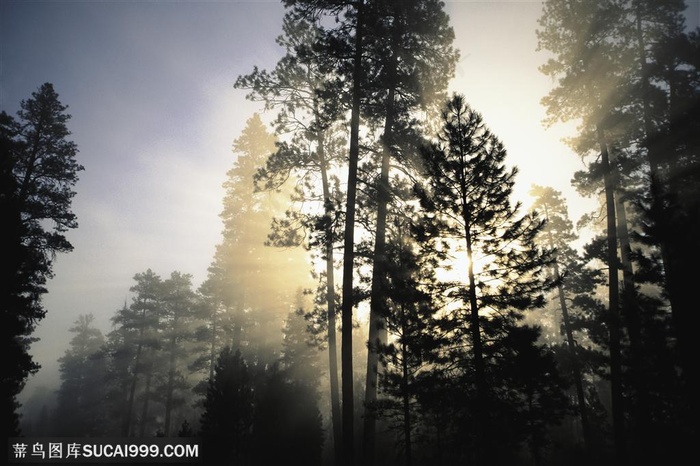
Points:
(246, 277)
(81, 409)
(215, 328)
(178, 334)
(137, 343)
(228, 412)
(467, 196)
(39, 171)
(121, 347)
(557, 235)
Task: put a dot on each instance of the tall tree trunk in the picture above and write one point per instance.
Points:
(330, 304)
(377, 313)
(349, 249)
(614, 304)
(481, 410)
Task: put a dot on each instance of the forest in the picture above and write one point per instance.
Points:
(378, 295)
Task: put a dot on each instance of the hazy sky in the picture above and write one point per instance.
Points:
(149, 85)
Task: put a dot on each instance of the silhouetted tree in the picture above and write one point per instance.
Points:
(287, 426)
(138, 334)
(413, 299)
(227, 421)
(39, 171)
(467, 195)
(411, 60)
(557, 235)
(635, 96)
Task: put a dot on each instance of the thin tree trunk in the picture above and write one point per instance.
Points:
(349, 250)
(377, 314)
(578, 378)
(330, 304)
(614, 303)
(481, 410)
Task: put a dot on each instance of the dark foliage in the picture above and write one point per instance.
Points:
(38, 172)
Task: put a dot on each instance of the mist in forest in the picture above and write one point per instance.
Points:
(371, 240)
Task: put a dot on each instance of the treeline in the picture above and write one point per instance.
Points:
(489, 339)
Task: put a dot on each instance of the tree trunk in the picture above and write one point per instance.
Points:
(349, 251)
(613, 320)
(330, 304)
(377, 314)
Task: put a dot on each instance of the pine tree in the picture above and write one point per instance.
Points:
(39, 171)
(617, 74)
(413, 299)
(139, 333)
(83, 370)
(228, 411)
(467, 195)
(558, 235)
(250, 279)
(178, 335)
(412, 59)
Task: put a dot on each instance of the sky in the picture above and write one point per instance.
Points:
(149, 85)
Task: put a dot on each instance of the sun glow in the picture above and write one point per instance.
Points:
(456, 267)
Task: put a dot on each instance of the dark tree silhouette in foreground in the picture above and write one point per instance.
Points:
(38, 173)
(467, 197)
(228, 411)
